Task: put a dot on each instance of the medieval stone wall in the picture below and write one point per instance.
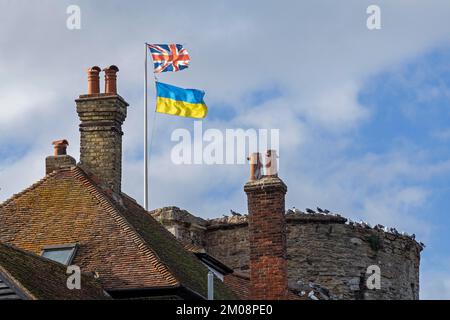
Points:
(230, 244)
(336, 255)
(327, 251)
(324, 250)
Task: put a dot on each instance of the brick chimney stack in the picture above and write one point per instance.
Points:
(267, 233)
(60, 159)
(102, 116)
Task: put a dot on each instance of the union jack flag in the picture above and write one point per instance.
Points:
(169, 57)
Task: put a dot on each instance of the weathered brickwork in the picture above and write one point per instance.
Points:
(53, 163)
(267, 238)
(101, 117)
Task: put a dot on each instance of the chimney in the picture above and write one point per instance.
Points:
(102, 116)
(267, 232)
(60, 159)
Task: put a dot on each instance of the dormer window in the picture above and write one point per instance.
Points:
(61, 253)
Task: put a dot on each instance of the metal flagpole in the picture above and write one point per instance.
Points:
(145, 135)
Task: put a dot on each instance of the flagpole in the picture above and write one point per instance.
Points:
(145, 135)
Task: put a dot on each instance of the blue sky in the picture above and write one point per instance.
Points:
(410, 105)
(363, 115)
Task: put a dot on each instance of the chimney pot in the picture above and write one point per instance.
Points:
(111, 80)
(271, 163)
(94, 80)
(60, 147)
(255, 166)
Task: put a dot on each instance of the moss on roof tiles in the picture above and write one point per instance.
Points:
(184, 265)
(45, 279)
(165, 255)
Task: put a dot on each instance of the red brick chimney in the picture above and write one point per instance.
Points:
(60, 159)
(102, 116)
(267, 233)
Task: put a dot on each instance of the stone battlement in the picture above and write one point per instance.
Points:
(322, 248)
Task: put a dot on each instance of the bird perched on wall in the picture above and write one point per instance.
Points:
(289, 211)
(320, 210)
(234, 213)
(394, 231)
(365, 224)
(312, 296)
(326, 211)
(297, 211)
(308, 210)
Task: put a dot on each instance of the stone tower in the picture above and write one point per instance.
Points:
(102, 116)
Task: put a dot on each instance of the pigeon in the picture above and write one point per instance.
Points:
(297, 211)
(320, 210)
(225, 216)
(326, 211)
(324, 293)
(290, 211)
(413, 236)
(234, 213)
(310, 211)
(312, 296)
(365, 225)
(422, 244)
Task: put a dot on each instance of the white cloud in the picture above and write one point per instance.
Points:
(319, 54)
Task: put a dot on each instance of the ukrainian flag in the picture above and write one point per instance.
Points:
(180, 102)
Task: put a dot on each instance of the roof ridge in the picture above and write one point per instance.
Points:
(32, 187)
(141, 244)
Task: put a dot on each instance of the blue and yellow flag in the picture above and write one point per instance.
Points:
(180, 102)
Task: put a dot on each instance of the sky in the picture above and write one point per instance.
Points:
(363, 114)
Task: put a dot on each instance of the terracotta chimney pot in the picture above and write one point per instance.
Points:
(60, 147)
(94, 80)
(111, 79)
(255, 166)
(271, 163)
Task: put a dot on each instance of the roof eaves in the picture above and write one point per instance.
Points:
(15, 285)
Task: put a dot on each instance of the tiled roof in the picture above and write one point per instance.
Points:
(32, 277)
(117, 238)
(239, 283)
(182, 264)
